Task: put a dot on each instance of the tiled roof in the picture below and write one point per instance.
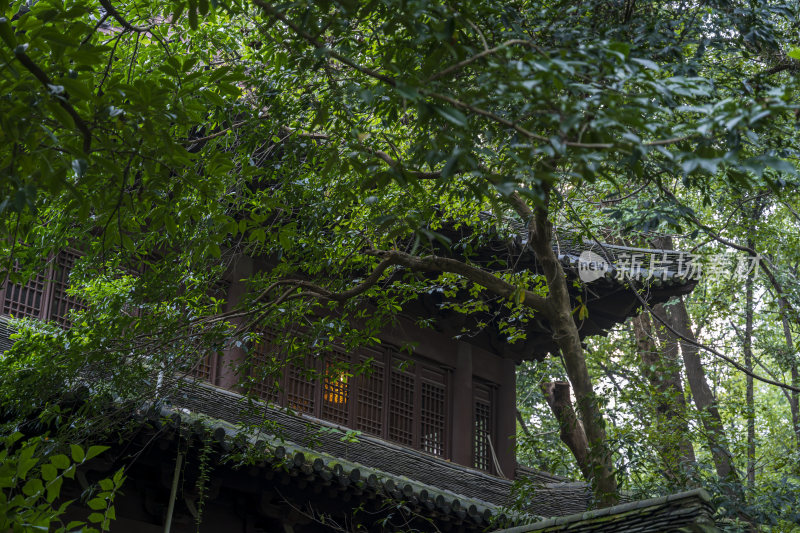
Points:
(314, 450)
(685, 512)
(554, 495)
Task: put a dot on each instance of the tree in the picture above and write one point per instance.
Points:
(337, 137)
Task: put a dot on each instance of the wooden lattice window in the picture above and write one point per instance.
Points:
(301, 385)
(482, 440)
(405, 401)
(264, 384)
(205, 369)
(25, 301)
(433, 411)
(61, 302)
(369, 411)
(401, 405)
(336, 389)
(45, 295)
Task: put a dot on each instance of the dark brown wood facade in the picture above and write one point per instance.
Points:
(452, 399)
(44, 296)
(436, 426)
(448, 399)
(456, 404)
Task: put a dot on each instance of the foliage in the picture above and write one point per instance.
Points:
(31, 476)
(169, 140)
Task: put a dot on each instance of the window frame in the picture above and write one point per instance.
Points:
(51, 277)
(422, 371)
(484, 392)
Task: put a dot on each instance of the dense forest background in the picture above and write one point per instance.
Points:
(164, 139)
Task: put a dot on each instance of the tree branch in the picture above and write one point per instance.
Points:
(39, 74)
(389, 80)
(111, 10)
(750, 251)
(270, 10)
(395, 164)
(432, 263)
(480, 55)
(214, 135)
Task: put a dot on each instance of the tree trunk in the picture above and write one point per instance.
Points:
(667, 394)
(565, 333)
(672, 370)
(794, 402)
(571, 430)
(704, 400)
(748, 364)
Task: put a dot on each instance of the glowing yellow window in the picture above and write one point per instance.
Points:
(335, 390)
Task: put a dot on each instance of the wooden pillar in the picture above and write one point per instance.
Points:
(461, 437)
(506, 419)
(232, 356)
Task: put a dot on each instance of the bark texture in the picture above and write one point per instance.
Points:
(678, 318)
(794, 399)
(659, 367)
(748, 364)
(565, 333)
(557, 395)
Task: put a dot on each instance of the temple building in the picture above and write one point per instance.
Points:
(423, 441)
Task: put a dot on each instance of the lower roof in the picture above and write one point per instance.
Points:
(689, 511)
(554, 496)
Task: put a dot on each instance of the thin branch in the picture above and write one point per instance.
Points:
(308, 134)
(673, 140)
(478, 56)
(389, 80)
(214, 135)
(111, 10)
(270, 10)
(480, 34)
(523, 425)
(39, 74)
(433, 263)
(693, 342)
(395, 164)
(712, 350)
(94, 30)
(740, 335)
(750, 251)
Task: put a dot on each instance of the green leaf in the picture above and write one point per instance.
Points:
(79, 166)
(193, 14)
(61, 114)
(54, 489)
(77, 453)
(621, 48)
(96, 504)
(94, 451)
(49, 472)
(452, 115)
(60, 461)
(32, 487)
(406, 91)
(7, 33)
(24, 466)
(794, 53)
